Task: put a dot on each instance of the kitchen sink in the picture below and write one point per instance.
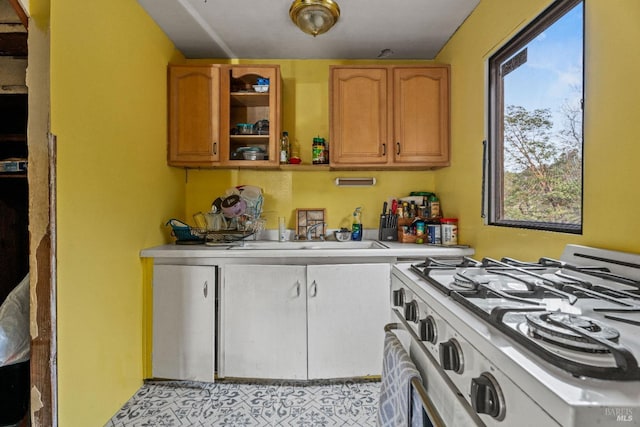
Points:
(297, 245)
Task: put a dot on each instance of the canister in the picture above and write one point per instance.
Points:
(317, 151)
(433, 234)
(449, 231)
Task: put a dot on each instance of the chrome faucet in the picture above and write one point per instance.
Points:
(313, 227)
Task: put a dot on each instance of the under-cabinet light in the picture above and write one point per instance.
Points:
(355, 182)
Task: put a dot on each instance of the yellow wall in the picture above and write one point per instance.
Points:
(114, 191)
(612, 126)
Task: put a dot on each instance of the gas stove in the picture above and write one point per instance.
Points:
(550, 342)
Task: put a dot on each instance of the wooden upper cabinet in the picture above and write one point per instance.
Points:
(194, 115)
(421, 116)
(359, 114)
(241, 103)
(389, 117)
(207, 102)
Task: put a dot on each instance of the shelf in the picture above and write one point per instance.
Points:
(258, 137)
(13, 137)
(302, 167)
(14, 175)
(249, 99)
(251, 164)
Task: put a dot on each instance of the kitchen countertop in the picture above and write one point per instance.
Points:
(391, 250)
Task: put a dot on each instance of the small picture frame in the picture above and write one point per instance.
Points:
(306, 218)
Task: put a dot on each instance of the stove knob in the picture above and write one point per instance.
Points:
(451, 356)
(428, 330)
(486, 396)
(411, 311)
(398, 297)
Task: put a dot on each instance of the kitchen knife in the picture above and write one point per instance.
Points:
(384, 218)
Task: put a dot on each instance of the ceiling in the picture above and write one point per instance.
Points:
(262, 29)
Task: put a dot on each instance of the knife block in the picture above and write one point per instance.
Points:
(386, 233)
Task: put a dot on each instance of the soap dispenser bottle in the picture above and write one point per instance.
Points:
(356, 230)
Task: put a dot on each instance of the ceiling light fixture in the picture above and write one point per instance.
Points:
(314, 16)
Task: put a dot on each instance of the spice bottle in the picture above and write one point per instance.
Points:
(434, 207)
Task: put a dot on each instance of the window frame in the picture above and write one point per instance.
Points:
(493, 161)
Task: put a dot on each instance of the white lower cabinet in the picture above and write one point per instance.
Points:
(304, 322)
(264, 328)
(347, 310)
(184, 322)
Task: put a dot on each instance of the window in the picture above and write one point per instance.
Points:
(533, 162)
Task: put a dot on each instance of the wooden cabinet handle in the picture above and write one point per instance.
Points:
(205, 288)
(398, 145)
(384, 149)
(314, 289)
(215, 147)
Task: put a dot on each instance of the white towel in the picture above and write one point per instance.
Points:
(397, 371)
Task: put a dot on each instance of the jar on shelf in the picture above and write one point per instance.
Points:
(317, 151)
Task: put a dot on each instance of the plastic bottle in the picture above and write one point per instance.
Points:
(294, 157)
(284, 148)
(356, 229)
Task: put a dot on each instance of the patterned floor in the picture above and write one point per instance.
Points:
(178, 404)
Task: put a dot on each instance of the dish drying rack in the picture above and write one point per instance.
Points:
(218, 237)
(186, 235)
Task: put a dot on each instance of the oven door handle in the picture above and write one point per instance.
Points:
(415, 384)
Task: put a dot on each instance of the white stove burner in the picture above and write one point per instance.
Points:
(560, 328)
(603, 360)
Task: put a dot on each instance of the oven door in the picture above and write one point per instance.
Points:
(419, 400)
(442, 403)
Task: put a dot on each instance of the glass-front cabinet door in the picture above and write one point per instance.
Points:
(251, 115)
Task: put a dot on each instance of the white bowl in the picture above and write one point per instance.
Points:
(342, 236)
(253, 155)
(261, 88)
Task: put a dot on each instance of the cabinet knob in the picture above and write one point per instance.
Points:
(297, 288)
(398, 146)
(205, 288)
(215, 147)
(384, 149)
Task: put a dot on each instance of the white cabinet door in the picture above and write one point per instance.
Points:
(183, 322)
(348, 307)
(264, 326)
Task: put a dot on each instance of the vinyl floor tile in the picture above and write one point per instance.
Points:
(283, 403)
